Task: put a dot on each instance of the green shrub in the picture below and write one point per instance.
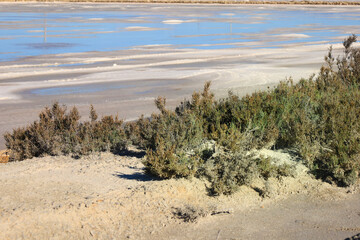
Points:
(170, 141)
(227, 170)
(318, 116)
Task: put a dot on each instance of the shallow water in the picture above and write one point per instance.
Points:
(31, 30)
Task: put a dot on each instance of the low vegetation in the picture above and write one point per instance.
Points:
(210, 138)
(60, 133)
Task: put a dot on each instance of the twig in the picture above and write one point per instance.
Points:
(218, 235)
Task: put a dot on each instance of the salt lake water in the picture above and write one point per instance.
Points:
(39, 29)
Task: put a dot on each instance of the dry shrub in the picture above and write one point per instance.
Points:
(4, 156)
(60, 132)
(190, 213)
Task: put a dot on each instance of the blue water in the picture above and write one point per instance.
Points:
(26, 34)
(76, 89)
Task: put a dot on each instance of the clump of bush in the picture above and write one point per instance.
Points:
(227, 171)
(317, 116)
(202, 138)
(58, 132)
(205, 137)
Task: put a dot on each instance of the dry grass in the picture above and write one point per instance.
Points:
(303, 2)
(59, 132)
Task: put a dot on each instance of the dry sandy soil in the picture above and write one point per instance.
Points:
(106, 196)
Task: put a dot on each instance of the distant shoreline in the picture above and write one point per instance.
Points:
(237, 2)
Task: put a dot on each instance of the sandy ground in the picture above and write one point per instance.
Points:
(298, 217)
(105, 196)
